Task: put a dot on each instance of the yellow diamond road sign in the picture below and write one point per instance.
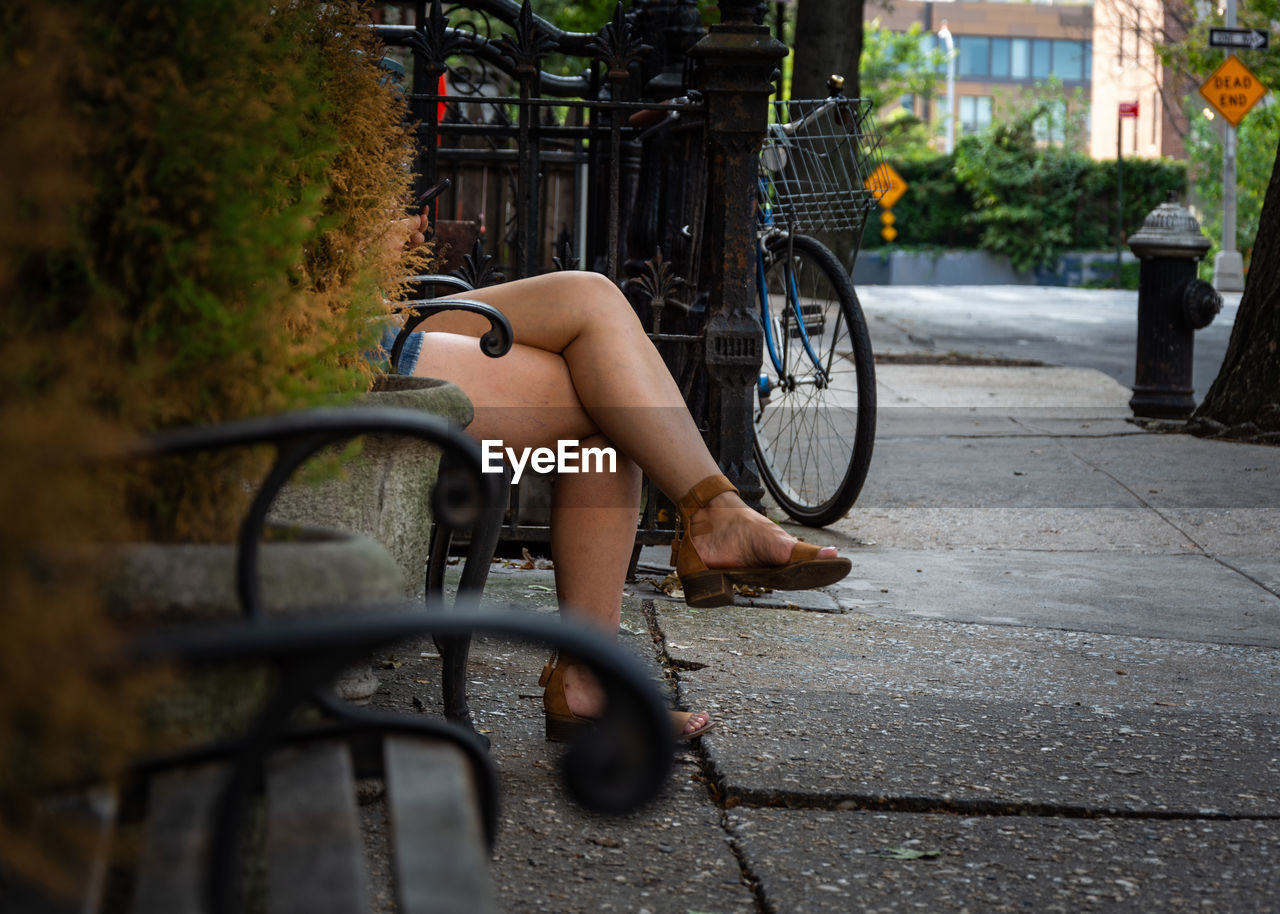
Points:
(1233, 90)
(888, 182)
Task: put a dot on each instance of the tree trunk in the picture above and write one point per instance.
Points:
(1244, 400)
(828, 41)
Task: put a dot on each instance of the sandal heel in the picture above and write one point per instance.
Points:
(564, 729)
(709, 588)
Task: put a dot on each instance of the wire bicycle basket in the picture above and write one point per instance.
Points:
(820, 165)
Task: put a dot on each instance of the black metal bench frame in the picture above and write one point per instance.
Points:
(613, 767)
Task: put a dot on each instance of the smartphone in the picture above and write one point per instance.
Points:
(424, 199)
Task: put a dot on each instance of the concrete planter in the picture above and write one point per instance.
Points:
(149, 583)
(385, 493)
(152, 585)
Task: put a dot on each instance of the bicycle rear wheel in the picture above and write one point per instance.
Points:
(815, 405)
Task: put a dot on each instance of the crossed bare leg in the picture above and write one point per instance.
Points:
(582, 369)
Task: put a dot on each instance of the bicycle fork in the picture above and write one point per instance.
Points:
(791, 309)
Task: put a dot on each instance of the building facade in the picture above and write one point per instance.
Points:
(1096, 55)
(1130, 72)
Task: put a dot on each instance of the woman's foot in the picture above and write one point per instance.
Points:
(728, 534)
(726, 544)
(573, 698)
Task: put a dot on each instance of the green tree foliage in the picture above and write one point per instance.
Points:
(52, 707)
(240, 165)
(1033, 203)
(1022, 195)
(895, 65)
(1184, 49)
(1003, 192)
(576, 15)
(1255, 155)
(934, 211)
(1184, 46)
(194, 199)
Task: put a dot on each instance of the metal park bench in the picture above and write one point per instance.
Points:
(267, 818)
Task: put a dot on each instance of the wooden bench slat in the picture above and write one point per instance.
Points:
(176, 841)
(441, 863)
(315, 857)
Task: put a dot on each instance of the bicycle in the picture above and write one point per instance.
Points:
(815, 402)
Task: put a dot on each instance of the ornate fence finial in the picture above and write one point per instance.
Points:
(566, 259)
(530, 42)
(619, 44)
(434, 40)
(477, 268)
(659, 283)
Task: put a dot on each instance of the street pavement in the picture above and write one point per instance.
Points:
(1050, 683)
(1082, 328)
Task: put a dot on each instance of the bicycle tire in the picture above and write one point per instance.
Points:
(814, 431)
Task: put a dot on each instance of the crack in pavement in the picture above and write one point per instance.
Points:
(727, 798)
(1168, 520)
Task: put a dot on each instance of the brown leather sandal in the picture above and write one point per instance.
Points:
(705, 586)
(563, 725)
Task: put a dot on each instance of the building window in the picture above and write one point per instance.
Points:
(1041, 59)
(1023, 59)
(1000, 57)
(1068, 60)
(974, 55)
(975, 113)
(1020, 58)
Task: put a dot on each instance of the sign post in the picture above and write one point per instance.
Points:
(1232, 90)
(1125, 109)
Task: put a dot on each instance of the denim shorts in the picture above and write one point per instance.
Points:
(408, 360)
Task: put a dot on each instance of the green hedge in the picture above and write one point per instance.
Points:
(235, 167)
(1001, 193)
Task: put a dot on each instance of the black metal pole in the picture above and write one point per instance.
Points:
(738, 59)
(1119, 196)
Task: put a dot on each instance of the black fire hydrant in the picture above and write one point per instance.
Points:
(1172, 305)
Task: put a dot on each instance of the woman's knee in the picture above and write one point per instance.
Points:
(599, 297)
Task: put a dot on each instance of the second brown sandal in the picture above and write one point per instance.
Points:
(705, 586)
(563, 725)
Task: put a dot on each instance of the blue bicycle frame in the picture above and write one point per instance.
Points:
(764, 216)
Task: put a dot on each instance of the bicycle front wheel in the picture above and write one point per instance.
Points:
(815, 407)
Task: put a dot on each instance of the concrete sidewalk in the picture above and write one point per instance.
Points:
(1050, 684)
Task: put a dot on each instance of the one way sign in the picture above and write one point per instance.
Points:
(1250, 39)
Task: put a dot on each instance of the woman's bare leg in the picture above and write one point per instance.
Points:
(528, 399)
(625, 391)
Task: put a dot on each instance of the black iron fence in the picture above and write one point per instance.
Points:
(636, 159)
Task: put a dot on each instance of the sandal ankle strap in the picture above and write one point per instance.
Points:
(704, 491)
(696, 498)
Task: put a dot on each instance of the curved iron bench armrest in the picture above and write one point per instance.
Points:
(456, 283)
(614, 767)
(315, 650)
(495, 342)
(460, 500)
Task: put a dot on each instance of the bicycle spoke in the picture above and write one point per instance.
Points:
(813, 430)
